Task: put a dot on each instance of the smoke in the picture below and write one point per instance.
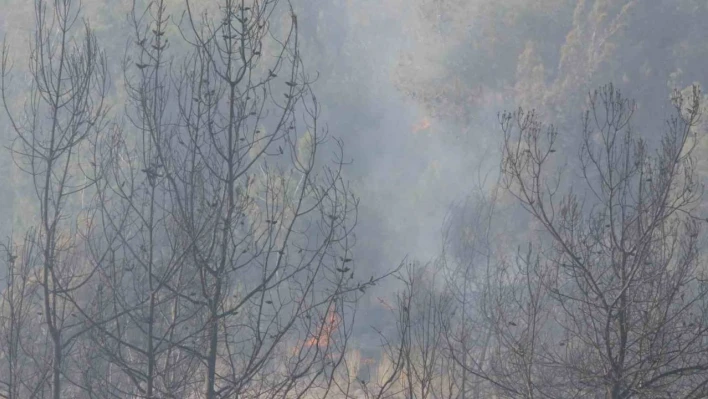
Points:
(406, 168)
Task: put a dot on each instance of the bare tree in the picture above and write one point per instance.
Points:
(20, 377)
(415, 362)
(469, 262)
(514, 322)
(264, 222)
(496, 304)
(215, 259)
(64, 107)
(426, 373)
(140, 320)
(618, 286)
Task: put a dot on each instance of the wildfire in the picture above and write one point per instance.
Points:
(422, 125)
(323, 334)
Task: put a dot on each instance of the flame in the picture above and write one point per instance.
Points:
(422, 125)
(324, 332)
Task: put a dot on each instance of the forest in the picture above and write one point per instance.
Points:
(401, 199)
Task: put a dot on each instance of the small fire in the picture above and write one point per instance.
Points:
(422, 125)
(324, 332)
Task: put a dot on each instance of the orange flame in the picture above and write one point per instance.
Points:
(324, 332)
(422, 125)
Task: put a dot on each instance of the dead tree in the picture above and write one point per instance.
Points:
(620, 272)
(140, 320)
(264, 220)
(469, 263)
(20, 376)
(64, 108)
(415, 361)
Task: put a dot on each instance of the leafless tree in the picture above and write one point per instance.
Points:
(469, 262)
(64, 107)
(20, 377)
(264, 222)
(514, 325)
(139, 319)
(415, 362)
(214, 257)
(616, 304)
(427, 372)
